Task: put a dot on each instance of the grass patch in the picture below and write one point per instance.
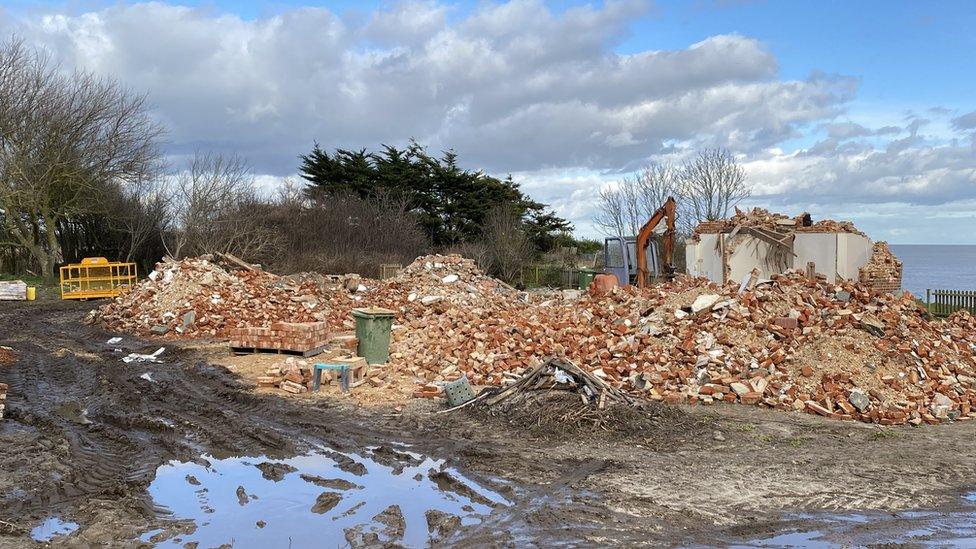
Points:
(28, 279)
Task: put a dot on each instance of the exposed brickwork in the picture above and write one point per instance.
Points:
(883, 271)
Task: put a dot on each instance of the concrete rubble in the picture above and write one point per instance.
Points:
(844, 350)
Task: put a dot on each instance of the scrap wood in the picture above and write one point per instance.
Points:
(231, 258)
(546, 376)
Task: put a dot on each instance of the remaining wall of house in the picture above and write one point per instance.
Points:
(821, 249)
(748, 252)
(834, 254)
(853, 252)
(704, 258)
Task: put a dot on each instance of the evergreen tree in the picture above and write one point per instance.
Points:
(451, 203)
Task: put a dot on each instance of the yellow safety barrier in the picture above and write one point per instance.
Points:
(96, 277)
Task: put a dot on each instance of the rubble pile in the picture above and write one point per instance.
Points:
(842, 351)
(883, 270)
(197, 298)
(7, 355)
(839, 350)
(762, 218)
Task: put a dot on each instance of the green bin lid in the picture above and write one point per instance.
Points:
(373, 311)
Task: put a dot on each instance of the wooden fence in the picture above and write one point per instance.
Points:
(946, 302)
(548, 276)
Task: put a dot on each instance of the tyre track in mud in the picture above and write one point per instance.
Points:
(130, 426)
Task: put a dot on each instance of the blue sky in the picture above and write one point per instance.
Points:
(855, 109)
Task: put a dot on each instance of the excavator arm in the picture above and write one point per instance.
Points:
(665, 212)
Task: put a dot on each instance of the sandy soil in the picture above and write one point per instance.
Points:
(85, 434)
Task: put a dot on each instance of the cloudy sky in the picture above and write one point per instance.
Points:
(853, 110)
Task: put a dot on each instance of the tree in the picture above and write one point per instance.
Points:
(65, 140)
(451, 204)
(626, 206)
(211, 208)
(712, 184)
(706, 188)
(507, 244)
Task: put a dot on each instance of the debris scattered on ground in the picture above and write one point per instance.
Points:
(136, 357)
(790, 342)
(294, 375)
(3, 398)
(7, 356)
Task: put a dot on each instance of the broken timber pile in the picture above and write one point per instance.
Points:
(559, 374)
(557, 396)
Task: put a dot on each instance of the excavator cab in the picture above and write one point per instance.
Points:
(620, 259)
(627, 258)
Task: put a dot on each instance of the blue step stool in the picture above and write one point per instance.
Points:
(343, 370)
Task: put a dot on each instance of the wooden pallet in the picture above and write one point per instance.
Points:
(291, 352)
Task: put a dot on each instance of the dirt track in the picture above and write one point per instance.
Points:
(704, 475)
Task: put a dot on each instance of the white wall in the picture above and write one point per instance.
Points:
(821, 248)
(704, 258)
(750, 252)
(853, 252)
(834, 254)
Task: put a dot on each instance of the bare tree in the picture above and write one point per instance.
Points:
(508, 246)
(63, 139)
(712, 184)
(625, 207)
(211, 209)
(138, 210)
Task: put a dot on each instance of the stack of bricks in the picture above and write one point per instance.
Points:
(883, 270)
(300, 337)
(3, 398)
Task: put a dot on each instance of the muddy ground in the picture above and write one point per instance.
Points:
(85, 434)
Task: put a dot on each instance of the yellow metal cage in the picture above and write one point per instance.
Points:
(96, 277)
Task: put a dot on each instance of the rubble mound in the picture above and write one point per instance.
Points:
(844, 350)
(196, 297)
(763, 218)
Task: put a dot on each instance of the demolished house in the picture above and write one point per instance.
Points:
(730, 249)
(843, 350)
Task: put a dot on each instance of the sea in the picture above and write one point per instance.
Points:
(936, 266)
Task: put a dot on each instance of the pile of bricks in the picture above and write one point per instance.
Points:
(843, 350)
(762, 218)
(195, 297)
(295, 375)
(306, 338)
(883, 270)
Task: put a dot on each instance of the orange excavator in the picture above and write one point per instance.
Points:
(628, 259)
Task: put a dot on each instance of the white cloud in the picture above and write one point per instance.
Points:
(512, 87)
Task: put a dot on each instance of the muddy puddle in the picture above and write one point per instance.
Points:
(52, 528)
(324, 498)
(955, 528)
